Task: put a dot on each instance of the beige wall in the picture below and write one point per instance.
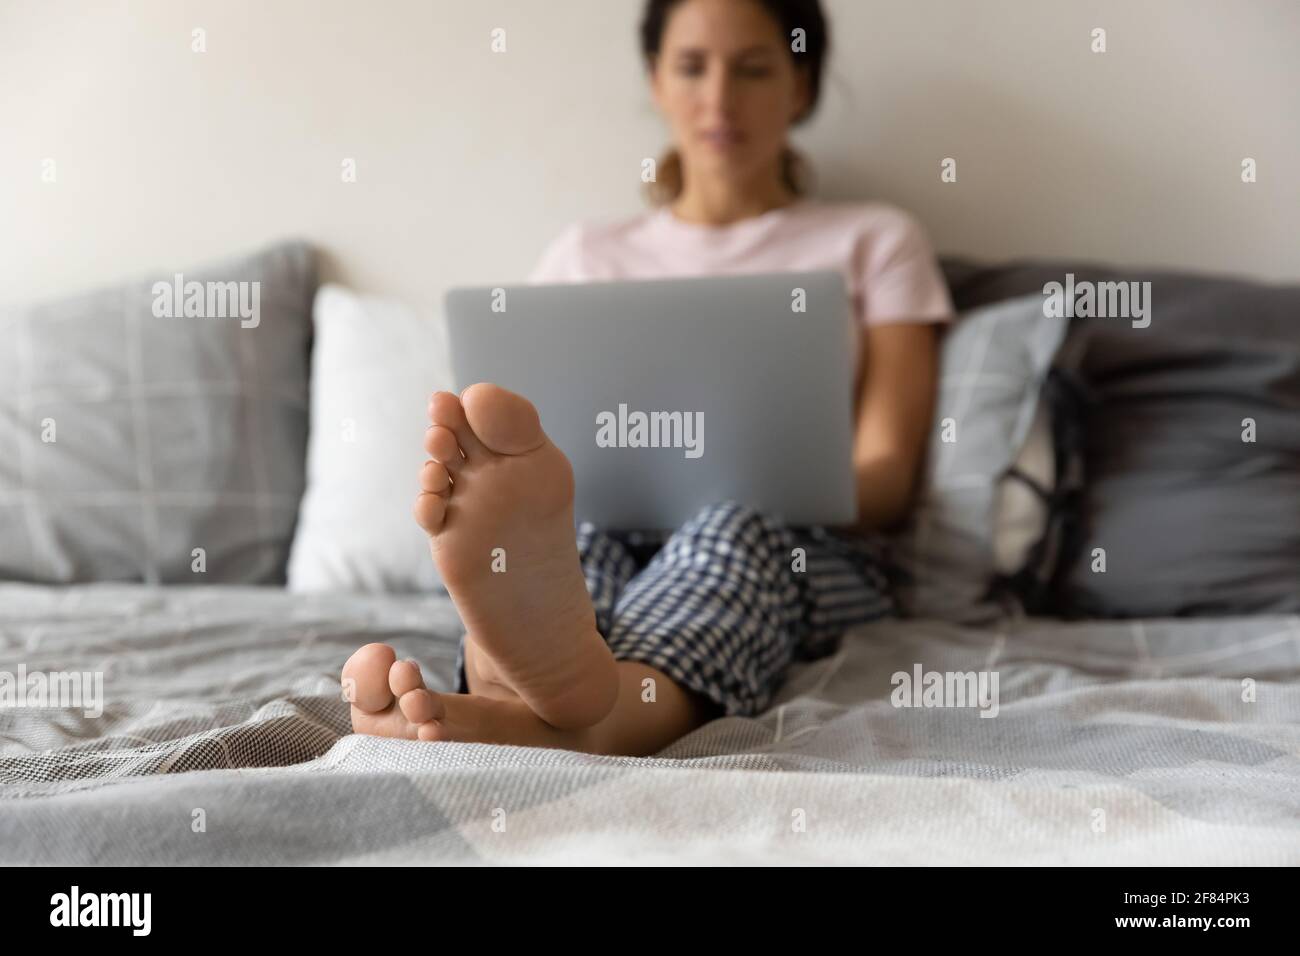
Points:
(468, 161)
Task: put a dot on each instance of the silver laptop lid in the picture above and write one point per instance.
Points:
(668, 395)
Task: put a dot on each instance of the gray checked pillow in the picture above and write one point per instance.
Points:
(156, 431)
(993, 364)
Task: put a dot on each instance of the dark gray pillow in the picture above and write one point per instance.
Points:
(147, 444)
(1188, 517)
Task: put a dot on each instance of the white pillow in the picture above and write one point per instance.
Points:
(374, 364)
(1020, 513)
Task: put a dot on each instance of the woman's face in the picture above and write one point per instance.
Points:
(727, 84)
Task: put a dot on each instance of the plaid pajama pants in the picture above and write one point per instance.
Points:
(725, 603)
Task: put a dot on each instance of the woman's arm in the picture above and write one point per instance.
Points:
(895, 404)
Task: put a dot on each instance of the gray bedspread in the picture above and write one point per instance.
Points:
(223, 740)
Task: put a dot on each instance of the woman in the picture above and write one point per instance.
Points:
(607, 645)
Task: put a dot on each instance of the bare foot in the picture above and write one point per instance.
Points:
(388, 696)
(389, 699)
(497, 502)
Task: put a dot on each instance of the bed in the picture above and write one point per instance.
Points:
(226, 741)
(209, 519)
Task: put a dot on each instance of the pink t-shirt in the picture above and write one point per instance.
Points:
(889, 267)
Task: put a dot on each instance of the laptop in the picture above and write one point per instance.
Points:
(671, 394)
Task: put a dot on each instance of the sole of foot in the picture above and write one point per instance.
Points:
(496, 499)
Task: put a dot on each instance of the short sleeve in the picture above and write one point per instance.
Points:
(901, 279)
(561, 261)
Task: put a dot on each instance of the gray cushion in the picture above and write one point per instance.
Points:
(134, 440)
(1190, 518)
(992, 367)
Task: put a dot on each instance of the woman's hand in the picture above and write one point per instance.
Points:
(896, 399)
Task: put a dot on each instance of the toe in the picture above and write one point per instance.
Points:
(434, 478)
(431, 503)
(441, 444)
(421, 706)
(404, 677)
(506, 423)
(445, 409)
(366, 678)
(431, 730)
(430, 510)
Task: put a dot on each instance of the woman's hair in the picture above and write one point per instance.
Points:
(790, 15)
